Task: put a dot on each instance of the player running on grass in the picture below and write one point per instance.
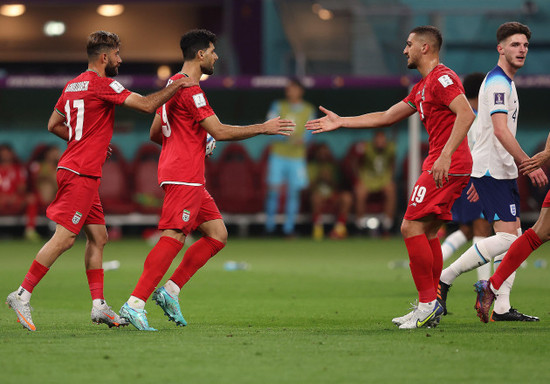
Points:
(84, 117)
(494, 174)
(439, 99)
(181, 126)
(520, 249)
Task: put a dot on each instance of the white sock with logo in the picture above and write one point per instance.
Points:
(478, 254)
(23, 294)
(426, 307)
(136, 303)
(483, 271)
(452, 242)
(98, 303)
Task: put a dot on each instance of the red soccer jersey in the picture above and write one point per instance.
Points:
(88, 105)
(431, 98)
(184, 139)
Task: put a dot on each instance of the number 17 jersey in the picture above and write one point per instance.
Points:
(88, 105)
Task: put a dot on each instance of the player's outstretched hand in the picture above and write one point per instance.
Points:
(537, 161)
(185, 82)
(328, 123)
(440, 170)
(278, 126)
(538, 177)
(471, 194)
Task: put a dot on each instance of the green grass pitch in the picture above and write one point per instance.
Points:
(305, 312)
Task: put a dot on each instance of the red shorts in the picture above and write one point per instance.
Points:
(546, 202)
(427, 200)
(186, 207)
(76, 202)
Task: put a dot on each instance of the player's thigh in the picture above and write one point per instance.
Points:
(296, 174)
(275, 170)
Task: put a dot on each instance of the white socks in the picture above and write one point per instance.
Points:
(502, 301)
(98, 303)
(452, 242)
(426, 307)
(172, 288)
(478, 254)
(23, 294)
(483, 271)
(136, 303)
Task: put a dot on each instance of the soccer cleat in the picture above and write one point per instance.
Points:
(138, 317)
(22, 310)
(403, 319)
(512, 315)
(424, 319)
(105, 315)
(442, 290)
(339, 231)
(170, 305)
(484, 300)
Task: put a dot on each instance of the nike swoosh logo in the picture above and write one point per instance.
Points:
(420, 324)
(110, 317)
(31, 326)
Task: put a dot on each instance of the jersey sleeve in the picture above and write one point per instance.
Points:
(497, 91)
(111, 90)
(410, 98)
(195, 102)
(60, 105)
(447, 87)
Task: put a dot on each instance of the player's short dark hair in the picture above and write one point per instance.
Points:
(432, 32)
(194, 41)
(472, 83)
(511, 28)
(100, 41)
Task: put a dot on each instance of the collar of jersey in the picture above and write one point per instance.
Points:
(91, 70)
(183, 73)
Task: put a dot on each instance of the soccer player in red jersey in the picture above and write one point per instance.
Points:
(522, 247)
(443, 108)
(84, 117)
(181, 126)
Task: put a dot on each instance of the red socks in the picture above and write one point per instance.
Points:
(519, 251)
(196, 256)
(95, 281)
(437, 265)
(156, 264)
(421, 263)
(34, 275)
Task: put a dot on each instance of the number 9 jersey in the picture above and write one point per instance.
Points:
(88, 105)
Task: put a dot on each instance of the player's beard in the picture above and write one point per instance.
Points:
(207, 70)
(111, 70)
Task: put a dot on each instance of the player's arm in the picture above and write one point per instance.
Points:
(509, 142)
(224, 132)
(537, 161)
(56, 125)
(464, 119)
(331, 121)
(150, 103)
(155, 133)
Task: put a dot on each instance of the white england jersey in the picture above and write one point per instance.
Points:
(496, 95)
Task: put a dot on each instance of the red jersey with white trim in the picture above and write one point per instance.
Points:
(431, 97)
(88, 105)
(183, 138)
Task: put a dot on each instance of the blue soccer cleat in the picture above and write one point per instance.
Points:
(138, 317)
(170, 305)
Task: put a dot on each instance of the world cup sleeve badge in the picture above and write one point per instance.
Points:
(186, 215)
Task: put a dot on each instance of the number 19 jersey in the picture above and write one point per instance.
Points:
(88, 105)
(183, 138)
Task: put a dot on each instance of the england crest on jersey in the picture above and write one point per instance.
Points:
(186, 215)
(76, 218)
(513, 209)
